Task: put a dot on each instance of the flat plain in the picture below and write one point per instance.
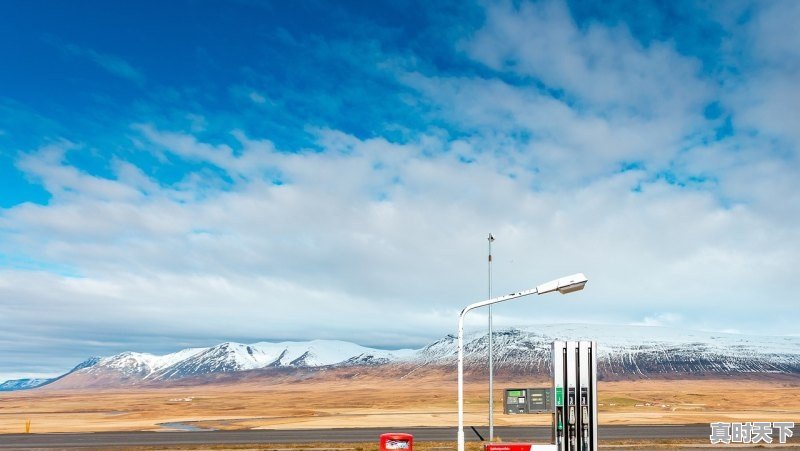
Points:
(375, 399)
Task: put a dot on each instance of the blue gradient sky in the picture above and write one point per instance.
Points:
(183, 173)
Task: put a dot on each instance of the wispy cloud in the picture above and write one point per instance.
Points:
(599, 67)
(662, 319)
(111, 63)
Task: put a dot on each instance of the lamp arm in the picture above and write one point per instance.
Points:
(508, 297)
(564, 285)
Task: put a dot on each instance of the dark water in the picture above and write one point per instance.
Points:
(184, 427)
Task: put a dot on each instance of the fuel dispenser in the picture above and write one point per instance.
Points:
(574, 375)
(573, 400)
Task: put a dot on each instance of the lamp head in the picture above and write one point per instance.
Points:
(564, 285)
(572, 288)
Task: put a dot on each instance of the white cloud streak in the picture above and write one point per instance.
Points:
(111, 63)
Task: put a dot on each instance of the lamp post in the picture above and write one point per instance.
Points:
(564, 285)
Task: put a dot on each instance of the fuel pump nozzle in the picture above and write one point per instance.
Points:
(584, 419)
(572, 420)
(559, 426)
(585, 427)
(572, 429)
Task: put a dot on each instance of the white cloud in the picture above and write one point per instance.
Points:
(383, 243)
(764, 92)
(325, 256)
(249, 96)
(254, 162)
(662, 319)
(601, 66)
(566, 146)
(257, 98)
(46, 166)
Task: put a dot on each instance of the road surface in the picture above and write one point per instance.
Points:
(700, 432)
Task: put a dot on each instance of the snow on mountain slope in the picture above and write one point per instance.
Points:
(624, 351)
(327, 352)
(138, 364)
(633, 350)
(222, 358)
(22, 384)
(229, 357)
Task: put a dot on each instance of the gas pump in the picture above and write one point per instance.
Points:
(574, 374)
(574, 400)
(559, 361)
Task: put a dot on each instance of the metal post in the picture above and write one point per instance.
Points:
(491, 355)
(460, 437)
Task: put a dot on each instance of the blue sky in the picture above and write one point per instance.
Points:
(179, 174)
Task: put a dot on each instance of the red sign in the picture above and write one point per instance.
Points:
(396, 441)
(507, 447)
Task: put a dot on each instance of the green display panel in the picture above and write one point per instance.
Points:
(539, 400)
(527, 400)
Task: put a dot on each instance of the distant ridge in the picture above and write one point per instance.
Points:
(630, 351)
(22, 384)
(623, 352)
(27, 384)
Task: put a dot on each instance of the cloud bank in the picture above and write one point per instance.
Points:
(666, 177)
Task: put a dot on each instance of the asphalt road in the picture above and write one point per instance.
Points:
(273, 436)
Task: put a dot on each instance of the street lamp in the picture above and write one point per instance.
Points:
(564, 285)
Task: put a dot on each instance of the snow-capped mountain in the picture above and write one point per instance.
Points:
(29, 383)
(623, 351)
(228, 357)
(140, 365)
(22, 384)
(136, 367)
(628, 350)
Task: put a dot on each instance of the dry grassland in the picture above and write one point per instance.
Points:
(372, 400)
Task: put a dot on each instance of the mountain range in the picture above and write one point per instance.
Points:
(623, 352)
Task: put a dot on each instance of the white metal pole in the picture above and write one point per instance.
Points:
(491, 354)
(563, 285)
(460, 436)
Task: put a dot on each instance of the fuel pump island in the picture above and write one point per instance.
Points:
(574, 382)
(573, 400)
(574, 374)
